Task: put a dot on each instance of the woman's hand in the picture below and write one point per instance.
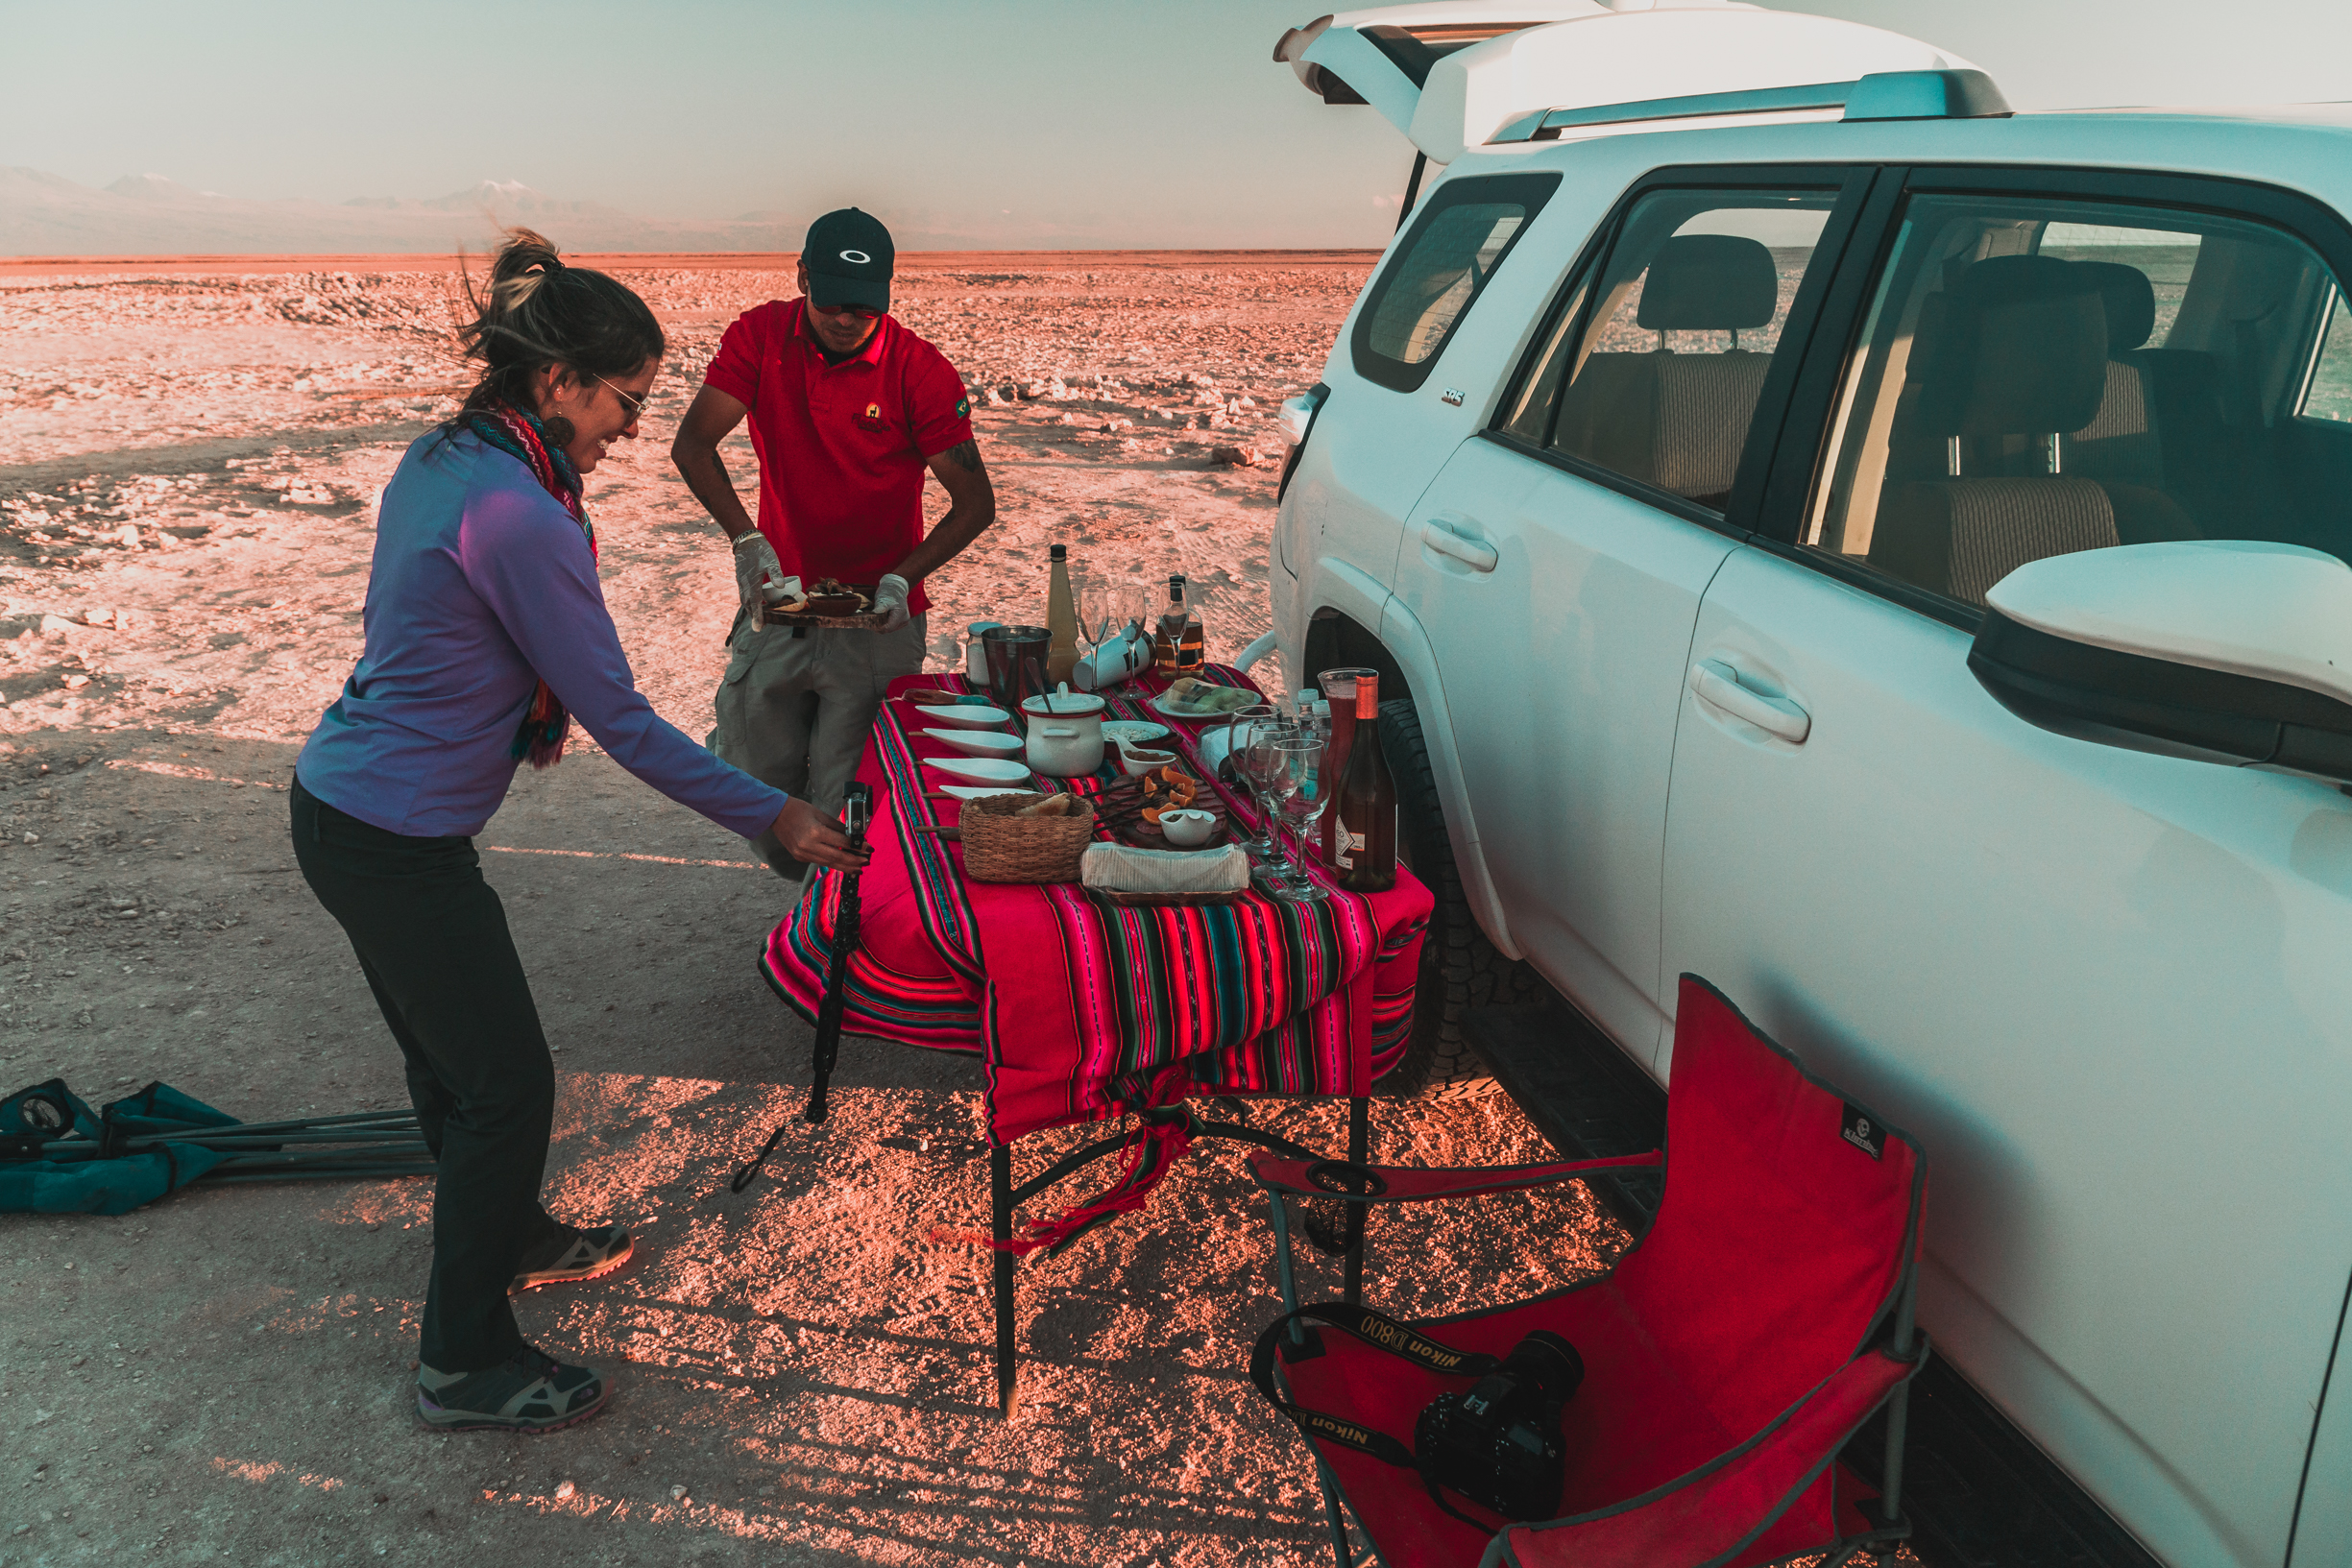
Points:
(814, 839)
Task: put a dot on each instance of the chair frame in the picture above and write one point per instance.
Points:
(1905, 1341)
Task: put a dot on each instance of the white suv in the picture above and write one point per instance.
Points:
(1886, 556)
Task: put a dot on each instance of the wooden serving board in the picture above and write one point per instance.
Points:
(864, 621)
(1147, 835)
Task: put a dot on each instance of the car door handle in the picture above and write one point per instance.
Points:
(1475, 554)
(1718, 685)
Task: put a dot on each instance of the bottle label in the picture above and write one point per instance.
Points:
(1344, 848)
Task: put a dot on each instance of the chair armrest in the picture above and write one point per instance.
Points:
(1717, 1510)
(1415, 1184)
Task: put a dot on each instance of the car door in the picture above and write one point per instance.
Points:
(1557, 563)
(2107, 988)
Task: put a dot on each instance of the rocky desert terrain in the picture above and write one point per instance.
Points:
(189, 460)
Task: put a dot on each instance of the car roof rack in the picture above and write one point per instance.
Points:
(1881, 95)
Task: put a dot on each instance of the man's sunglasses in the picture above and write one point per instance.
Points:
(864, 313)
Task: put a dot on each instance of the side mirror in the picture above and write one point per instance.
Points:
(2231, 651)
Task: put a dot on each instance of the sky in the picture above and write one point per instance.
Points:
(1021, 123)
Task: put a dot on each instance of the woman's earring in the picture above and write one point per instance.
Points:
(559, 429)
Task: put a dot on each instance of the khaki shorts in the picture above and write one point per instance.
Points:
(794, 711)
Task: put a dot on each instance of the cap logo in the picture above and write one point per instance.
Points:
(859, 257)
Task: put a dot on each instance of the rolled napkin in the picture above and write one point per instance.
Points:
(1115, 868)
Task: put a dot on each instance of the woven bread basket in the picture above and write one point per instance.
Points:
(1000, 847)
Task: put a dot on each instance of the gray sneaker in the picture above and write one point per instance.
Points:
(572, 1254)
(528, 1391)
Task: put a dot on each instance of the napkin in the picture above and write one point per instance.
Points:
(1116, 868)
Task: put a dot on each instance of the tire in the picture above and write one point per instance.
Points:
(1460, 970)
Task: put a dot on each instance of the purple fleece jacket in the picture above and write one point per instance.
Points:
(482, 584)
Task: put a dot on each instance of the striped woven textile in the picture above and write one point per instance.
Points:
(1078, 1005)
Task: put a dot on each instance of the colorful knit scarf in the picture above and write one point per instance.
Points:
(513, 431)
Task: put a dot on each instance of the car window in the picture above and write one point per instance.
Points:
(1652, 369)
(2036, 377)
(1454, 247)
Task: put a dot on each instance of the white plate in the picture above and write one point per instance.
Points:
(1134, 731)
(1194, 716)
(971, 716)
(978, 742)
(981, 769)
(974, 792)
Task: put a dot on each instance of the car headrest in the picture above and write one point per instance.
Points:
(1709, 284)
(2021, 350)
(2131, 300)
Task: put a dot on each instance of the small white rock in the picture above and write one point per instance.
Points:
(564, 1490)
(677, 1494)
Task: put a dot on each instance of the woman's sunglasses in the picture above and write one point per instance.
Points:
(634, 402)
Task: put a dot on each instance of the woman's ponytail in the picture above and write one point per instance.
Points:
(533, 312)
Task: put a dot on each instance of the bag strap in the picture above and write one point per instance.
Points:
(1385, 1334)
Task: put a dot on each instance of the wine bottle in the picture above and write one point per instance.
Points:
(1364, 849)
(1168, 639)
(1060, 617)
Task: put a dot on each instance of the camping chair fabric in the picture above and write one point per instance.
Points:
(46, 1113)
(1728, 1354)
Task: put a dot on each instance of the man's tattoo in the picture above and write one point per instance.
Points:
(966, 455)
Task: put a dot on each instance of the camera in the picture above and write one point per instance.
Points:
(1499, 1443)
(857, 813)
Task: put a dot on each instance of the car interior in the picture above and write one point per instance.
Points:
(2038, 379)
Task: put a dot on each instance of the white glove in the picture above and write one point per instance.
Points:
(890, 598)
(755, 564)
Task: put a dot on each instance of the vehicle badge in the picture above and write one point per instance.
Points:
(1862, 1132)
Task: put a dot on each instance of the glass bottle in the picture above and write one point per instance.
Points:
(1364, 849)
(1060, 617)
(1168, 639)
(1339, 688)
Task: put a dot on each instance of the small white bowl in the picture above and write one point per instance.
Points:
(978, 742)
(1188, 828)
(1137, 760)
(981, 769)
(968, 716)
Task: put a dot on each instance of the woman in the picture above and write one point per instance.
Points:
(486, 634)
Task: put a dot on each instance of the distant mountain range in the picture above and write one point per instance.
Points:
(44, 214)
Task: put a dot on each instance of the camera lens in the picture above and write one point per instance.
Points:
(1548, 1361)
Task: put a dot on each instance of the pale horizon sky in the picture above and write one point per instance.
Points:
(1032, 123)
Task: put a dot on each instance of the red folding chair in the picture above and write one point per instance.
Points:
(1762, 1317)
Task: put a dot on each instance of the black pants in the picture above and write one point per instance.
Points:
(433, 940)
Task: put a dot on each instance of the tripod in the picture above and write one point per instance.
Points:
(857, 811)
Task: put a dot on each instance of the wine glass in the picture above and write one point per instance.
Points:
(1250, 742)
(1305, 791)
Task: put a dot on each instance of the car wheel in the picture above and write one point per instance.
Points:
(1460, 970)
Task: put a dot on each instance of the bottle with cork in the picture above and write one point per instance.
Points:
(1364, 845)
(1060, 617)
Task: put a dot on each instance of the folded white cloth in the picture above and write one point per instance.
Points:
(1115, 868)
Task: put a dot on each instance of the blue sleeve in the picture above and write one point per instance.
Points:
(530, 562)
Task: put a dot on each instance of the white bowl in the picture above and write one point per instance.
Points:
(1133, 764)
(981, 769)
(1135, 732)
(970, 716)
(1188, 828)
(978, 742)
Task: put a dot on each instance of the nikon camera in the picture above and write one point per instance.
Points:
(1499, 1443)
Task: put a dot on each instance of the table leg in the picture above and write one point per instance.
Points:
(1359, 1140)
(1000, 1227)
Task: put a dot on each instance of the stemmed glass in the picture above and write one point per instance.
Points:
(1303, 791)
(1250, 742)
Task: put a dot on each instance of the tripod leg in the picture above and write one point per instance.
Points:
(1337, 1516)
(1359, 1138)
(1000, 1227)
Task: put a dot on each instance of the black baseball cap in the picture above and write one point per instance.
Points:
(848, 254)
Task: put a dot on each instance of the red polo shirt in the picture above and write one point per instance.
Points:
(842, 448)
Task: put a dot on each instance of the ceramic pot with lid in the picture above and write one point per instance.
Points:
(1065, 732)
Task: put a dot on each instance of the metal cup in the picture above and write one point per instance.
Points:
(1016, 664)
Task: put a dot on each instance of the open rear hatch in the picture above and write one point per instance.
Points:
(1456, 73)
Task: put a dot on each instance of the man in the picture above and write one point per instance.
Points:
(847, 408)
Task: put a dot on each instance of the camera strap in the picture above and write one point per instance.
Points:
(1384, 1333)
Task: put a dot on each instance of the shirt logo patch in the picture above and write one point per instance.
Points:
(870, 418)
(963, 407)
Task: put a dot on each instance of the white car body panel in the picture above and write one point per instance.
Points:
(2110, 991)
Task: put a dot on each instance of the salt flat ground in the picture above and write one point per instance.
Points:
(187, 466)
